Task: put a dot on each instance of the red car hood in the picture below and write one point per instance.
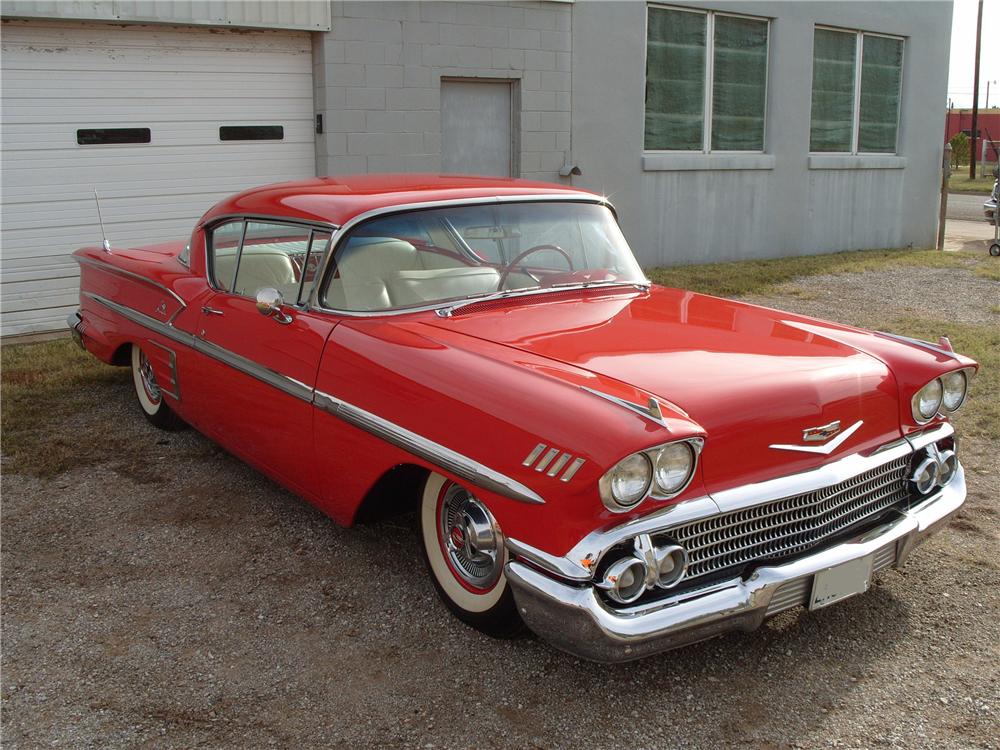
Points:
(752, 377)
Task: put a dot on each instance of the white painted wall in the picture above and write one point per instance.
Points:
(182, 83)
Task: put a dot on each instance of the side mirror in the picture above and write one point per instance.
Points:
(269, 304)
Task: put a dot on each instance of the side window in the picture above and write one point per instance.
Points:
(282, 256)
(311, 264)
(223, 249)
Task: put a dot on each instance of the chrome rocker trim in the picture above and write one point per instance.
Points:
(573, 618)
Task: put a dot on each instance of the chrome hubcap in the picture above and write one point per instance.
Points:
(148, 379)
(471, 538)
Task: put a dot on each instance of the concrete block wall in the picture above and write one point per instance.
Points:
(378, 78)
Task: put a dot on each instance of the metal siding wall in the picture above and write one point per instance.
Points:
(182, 83)
(308, 15)
(785, 206)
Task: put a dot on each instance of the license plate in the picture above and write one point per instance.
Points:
(841, 581)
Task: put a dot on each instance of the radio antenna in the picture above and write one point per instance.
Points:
(105, 244)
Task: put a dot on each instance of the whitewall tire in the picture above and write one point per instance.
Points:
(148, 393)
(464, 551)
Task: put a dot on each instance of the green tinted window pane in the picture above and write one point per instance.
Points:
(881, 75)
(739, 84)
(832, 91)
(675, 80)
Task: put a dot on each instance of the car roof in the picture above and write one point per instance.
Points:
(337, 200)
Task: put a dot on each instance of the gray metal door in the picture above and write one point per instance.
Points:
(476, 129)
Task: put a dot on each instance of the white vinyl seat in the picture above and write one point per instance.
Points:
(260, 266)
(415, 287)
(363, 268)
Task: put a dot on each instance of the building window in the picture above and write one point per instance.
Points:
(251, 133)
(111, 136)
(706, 81)
(855, 109)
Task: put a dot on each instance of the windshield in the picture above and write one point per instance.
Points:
(441, 255)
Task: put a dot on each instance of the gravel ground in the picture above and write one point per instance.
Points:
(182, 600)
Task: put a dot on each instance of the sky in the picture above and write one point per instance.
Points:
(963, 53)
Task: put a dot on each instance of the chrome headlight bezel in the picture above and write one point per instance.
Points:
(652, 489)
(966, 375)
(919, 414)
(941, 408)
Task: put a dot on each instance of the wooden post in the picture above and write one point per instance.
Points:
(945, 174)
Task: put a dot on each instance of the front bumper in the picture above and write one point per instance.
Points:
(989, 211)
(574, 619)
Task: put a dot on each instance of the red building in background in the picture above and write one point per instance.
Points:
(988, 124)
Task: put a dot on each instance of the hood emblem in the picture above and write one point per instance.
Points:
(819, 434)
(816, 434)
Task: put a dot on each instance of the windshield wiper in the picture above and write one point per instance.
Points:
(446, 311)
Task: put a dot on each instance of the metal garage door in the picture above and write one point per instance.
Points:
(476, 127)
(65, 82)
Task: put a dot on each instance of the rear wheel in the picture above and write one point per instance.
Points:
(465, 554)
(149, 394)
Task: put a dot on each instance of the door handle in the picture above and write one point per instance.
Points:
(211, 310)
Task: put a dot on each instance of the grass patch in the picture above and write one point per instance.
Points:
(43, 385)
(990, 269)
(764, 276)
(981, 416)
(959, 182)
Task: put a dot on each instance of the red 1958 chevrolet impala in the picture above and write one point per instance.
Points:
(623, 467)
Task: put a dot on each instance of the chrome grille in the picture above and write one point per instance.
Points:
(782, 528)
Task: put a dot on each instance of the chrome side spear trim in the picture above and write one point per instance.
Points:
(437, 454)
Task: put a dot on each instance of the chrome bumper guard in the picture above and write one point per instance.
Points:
(73, 320)
(573, 618)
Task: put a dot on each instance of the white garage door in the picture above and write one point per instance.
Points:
(222, 110)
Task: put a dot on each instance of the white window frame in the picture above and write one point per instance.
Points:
(859, 47)
(709, 82)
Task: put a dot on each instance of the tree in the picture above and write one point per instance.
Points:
(959, 149)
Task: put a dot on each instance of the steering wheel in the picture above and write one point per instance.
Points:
(531, 250)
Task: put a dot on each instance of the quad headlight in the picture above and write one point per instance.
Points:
(956, 386)
(662, 471)
(627, 482)
(946, 393)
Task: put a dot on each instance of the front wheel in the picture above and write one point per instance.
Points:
(995, 250)
(148, 393)
(465, 554)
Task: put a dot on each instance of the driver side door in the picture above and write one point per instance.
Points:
(257, 371)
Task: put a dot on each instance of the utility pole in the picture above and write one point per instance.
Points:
(975, 95)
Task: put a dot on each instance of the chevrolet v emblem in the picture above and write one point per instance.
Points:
(819, 434)
(815, 434)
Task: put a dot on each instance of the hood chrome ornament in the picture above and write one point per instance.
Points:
(651, 410)
(816, 433)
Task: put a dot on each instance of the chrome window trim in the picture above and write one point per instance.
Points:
(437, 454)
(344, 230)
(207, 226)
(268, 218)
(132, 275)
